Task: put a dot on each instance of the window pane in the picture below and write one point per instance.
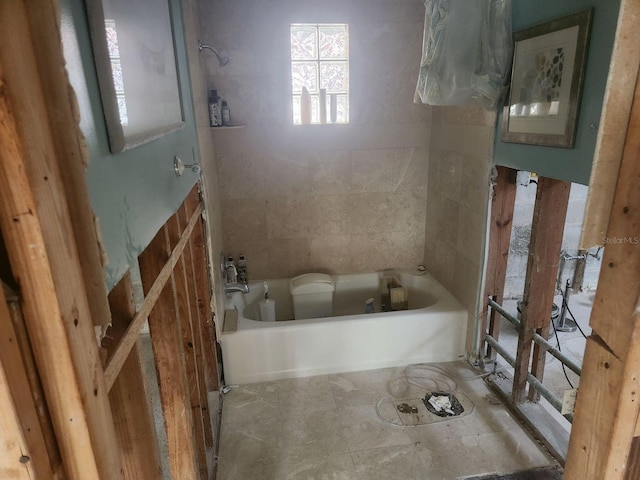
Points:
(304, 42)
(334, 76)
(112, 38)
(320, 59)
(333, 41)
(116, 73)
(122, 110)
(304, 74)
(343, 109)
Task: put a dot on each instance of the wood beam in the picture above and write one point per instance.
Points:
(633, 468)
(501, 222)
(204, 292)
(190, 343)
(129, 397)
(607, 409)
(35, 385)
(68, 143)
(614, 121)
(15, 461)
(119, 354)
(31, 435)
(165, 330)
(550, 211)
(200, 358)
(38, 233)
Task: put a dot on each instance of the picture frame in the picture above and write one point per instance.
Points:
(135, 59)
(546, 82)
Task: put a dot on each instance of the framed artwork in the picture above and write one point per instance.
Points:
(134, 54)
(546, 82)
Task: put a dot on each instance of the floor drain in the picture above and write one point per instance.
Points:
(443, 404)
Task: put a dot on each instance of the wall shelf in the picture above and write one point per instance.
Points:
(228, 127)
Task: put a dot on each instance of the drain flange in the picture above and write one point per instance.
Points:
(443, 404)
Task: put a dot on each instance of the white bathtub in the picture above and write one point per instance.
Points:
(432, 330)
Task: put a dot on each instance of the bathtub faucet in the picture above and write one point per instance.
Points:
(236, 287)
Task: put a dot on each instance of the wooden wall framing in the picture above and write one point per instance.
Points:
(69, 407)
(604, 441)
(500, 225)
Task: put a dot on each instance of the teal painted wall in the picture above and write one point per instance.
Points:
(561, 163)
(132, 193)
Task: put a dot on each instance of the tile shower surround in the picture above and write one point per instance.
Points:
(344, 212)
(402, 184)
(460, 161)
(335, 198)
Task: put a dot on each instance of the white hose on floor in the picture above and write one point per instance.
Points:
(426, 377)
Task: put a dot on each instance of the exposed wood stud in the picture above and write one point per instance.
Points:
(616, 108)
(502, 206)
(130, 337)
(550, 211)
(35, 385)
(68, 144)
(164, 327)
(129, 398)
(183, 303)
(15, 464)
(17, 383)
(38, 230)
(203, 284)
(607, 413)
(197, 324)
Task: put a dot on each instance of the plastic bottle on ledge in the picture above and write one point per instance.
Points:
(242, 270)
(226, 114)
(215, 115)
(305, 107)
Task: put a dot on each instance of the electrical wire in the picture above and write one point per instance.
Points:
(564, 370)
(573, 318)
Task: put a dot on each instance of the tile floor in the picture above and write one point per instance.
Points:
(328, 428)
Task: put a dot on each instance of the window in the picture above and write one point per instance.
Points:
(320, 60)
(116, 69)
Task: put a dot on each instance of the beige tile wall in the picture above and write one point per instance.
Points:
(335, 198)
(458, 194)
(198, 74)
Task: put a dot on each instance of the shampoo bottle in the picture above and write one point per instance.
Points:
(305, 107)
(226, 114)
(267, 306)
(242, 270)
(215, 116)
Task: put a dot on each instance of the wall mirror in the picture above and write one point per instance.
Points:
(134, 54)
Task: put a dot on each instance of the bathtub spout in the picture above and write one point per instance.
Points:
(236, 287)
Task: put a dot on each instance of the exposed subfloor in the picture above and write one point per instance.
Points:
(327, 427)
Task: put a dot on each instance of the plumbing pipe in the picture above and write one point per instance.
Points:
(533, 381)
(538, 339)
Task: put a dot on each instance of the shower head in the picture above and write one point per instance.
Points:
(222, 59)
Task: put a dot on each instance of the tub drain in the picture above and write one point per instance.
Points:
(443, 404)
